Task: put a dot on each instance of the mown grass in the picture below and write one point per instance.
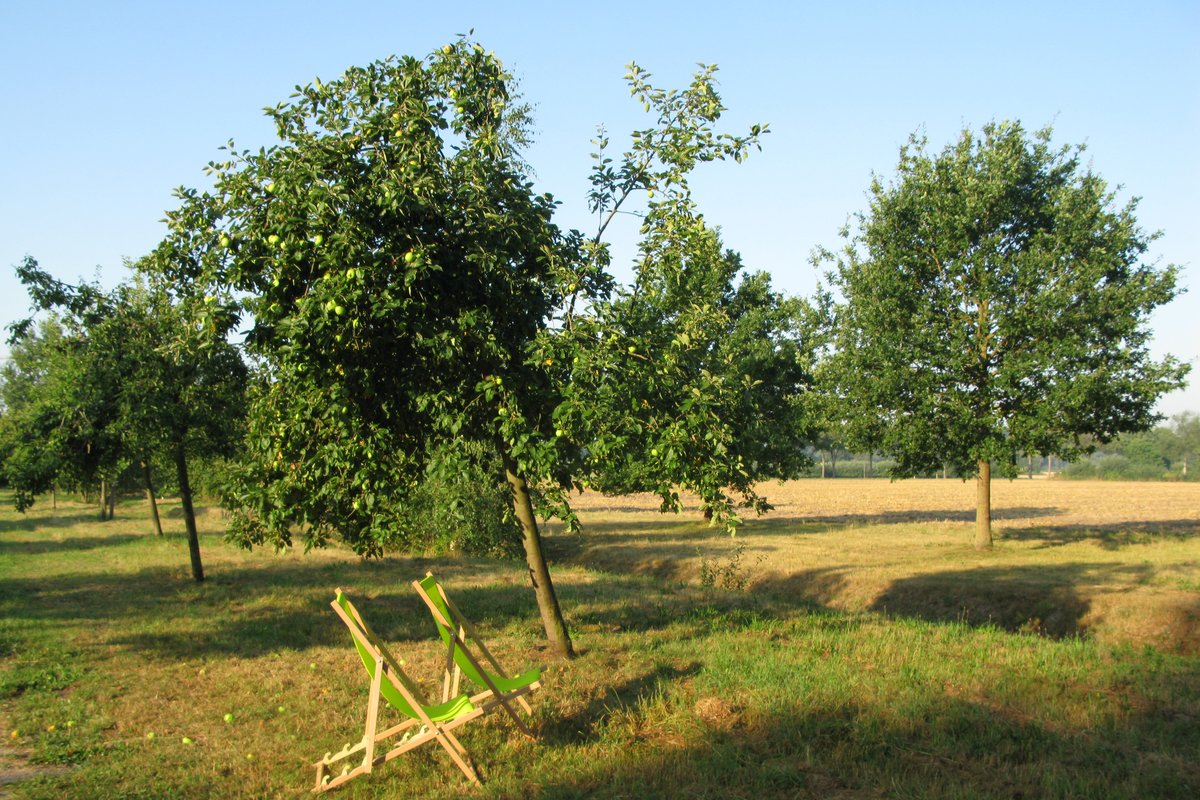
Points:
(678, 691)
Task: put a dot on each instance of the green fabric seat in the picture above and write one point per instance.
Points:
(440, 712)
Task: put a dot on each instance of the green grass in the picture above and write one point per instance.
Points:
(678, 691)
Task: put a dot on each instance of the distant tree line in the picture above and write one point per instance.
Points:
(1168, 452)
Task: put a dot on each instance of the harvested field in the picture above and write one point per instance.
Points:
(1117, 561)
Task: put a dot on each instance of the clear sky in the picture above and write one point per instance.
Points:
(109, 106)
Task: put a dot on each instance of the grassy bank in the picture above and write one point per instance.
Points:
(878, 656)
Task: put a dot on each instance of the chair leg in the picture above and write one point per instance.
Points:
(520, 723)
(459, 753)
(373, 715)
(447, 675)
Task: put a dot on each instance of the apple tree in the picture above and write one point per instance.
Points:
(708, 387)
(397, 265)
(60, 399)
(410, 292)
(994, 302)
(135, 373)
(695, 377)
(182, 385)
(36, 437)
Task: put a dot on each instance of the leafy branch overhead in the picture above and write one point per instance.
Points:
(661, 157)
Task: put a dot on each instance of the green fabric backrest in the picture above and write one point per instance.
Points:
(429, 585)
(386, 688)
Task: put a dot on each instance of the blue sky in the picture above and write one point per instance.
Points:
(109, 106)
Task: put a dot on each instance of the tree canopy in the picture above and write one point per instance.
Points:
(994, 302)
(409, 292)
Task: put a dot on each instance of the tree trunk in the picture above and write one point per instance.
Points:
(150, 500)
(539, 573)
(983, 507)
(822, 464)
(189, 514)
(112, 501)
(103, 500)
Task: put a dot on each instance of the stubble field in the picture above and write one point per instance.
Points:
(1117, 561)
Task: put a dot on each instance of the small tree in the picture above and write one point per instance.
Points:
(994, 302)
(139, 374)
(182, 387)
(695, 376)
(1184, 444)
(35, 429)
(692, 380)
(60, 395)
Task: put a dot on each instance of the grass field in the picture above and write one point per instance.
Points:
(875, 654)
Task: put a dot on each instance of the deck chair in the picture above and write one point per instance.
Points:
(463, 650)
(425, 722)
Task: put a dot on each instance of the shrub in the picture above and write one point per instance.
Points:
(463, 507)
(1111, 467)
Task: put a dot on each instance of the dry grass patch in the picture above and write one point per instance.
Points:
(1118, 561)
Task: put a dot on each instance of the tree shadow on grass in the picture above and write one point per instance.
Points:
(663, 550)
(1043, 599)
(689, 525)
(1033, 599)
(776, 524)
(1054, 601)
(939, 746)
(1108, 537)
(36, 547)
(242, 610)
(585, 723)
(657, 546)
(66, 518)
(661, 547)
(255, 609)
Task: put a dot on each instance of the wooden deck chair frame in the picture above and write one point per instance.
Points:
(461, 639)
(419, 729)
